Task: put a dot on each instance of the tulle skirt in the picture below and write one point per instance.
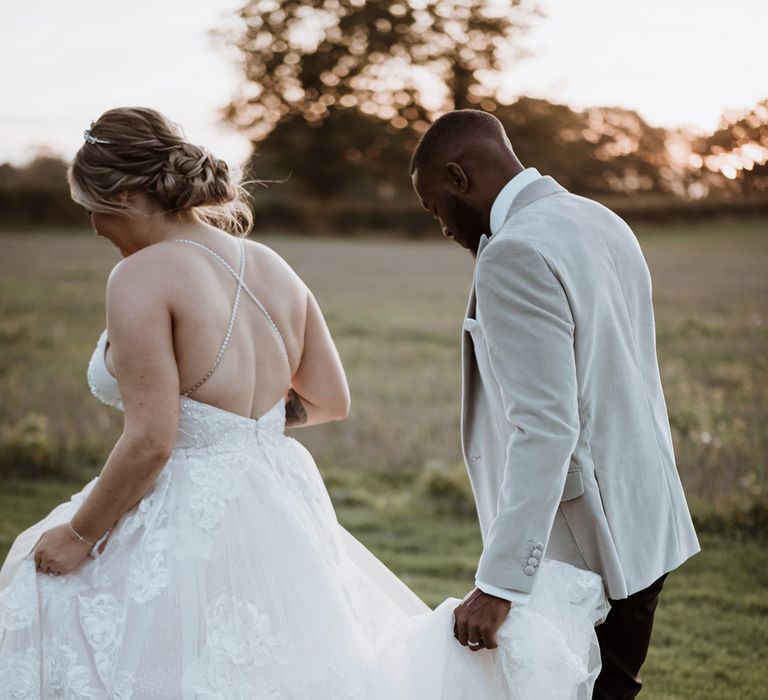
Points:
(232, 579)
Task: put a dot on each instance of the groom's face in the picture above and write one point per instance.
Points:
(458, 219)
(466, 223)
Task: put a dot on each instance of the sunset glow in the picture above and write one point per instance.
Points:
(63, 67)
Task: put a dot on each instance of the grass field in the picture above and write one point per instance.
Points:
(393, 468)
(395, 310)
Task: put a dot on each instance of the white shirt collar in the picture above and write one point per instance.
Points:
(504, 199)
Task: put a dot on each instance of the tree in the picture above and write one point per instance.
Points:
(37, 193)
(398, 60)
(597, 150)
(738, 150)
(347, 152)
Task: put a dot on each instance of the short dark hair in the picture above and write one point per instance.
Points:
(449, 129)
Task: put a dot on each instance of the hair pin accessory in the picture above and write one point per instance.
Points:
(90, 138)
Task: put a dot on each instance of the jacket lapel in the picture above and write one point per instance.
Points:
(470, 312)
(467, 351)
(542, 187)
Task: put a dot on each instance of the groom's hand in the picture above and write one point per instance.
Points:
(478, 618)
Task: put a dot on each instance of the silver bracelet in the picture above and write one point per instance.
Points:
(79, 536)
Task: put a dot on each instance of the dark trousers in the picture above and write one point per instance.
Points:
(624, 639)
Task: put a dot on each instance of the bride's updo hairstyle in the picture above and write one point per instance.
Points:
(138, 150)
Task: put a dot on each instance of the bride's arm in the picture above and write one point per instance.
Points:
(141, 347)
(319, 391)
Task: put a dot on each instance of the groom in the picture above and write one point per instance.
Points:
(564, 426)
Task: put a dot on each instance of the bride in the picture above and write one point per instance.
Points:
(205, 560)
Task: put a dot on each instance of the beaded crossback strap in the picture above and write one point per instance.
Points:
(240, 279)
(232, 316)
(240, 285)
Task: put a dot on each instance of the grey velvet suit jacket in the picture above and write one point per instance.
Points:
(564, 425)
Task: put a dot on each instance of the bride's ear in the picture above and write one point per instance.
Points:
(137, 202)
(125, 198)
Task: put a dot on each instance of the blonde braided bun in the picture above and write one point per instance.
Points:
(148, 154)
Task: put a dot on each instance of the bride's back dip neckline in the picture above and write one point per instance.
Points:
(240, 287)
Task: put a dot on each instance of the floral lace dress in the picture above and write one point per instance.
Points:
(232, 580)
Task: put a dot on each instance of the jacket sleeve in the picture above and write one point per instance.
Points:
(528, 328)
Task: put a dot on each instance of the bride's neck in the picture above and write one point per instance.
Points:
(168, 228)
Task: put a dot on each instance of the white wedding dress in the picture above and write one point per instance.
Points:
(232, 580)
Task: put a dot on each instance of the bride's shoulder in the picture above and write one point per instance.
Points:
(142, 266)
(267, 254)
(275, 264)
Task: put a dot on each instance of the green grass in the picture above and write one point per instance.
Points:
(395, 309)
(393, 468)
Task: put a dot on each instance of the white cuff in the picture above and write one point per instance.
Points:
(516, 597)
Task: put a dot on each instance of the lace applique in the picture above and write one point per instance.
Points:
(147, 577)
(122, 687)
(148, 511)
(103, 620)
(21, 675)
(63, 677)
(102, 581)
(58, 593)
(148, 574)
(244, 656)
(205, 428)
(215, 483)
(18, 602)
(301, 481)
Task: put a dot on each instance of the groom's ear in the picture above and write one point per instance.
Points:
(457, 177)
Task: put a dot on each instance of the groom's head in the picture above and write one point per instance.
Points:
(459, 166)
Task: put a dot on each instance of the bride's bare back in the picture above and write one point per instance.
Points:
(169, 306)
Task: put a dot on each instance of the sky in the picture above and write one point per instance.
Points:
(677, 62)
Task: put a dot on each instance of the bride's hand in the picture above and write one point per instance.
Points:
(58, 551)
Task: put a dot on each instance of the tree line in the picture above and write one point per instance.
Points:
(335, 94)
(349, 171)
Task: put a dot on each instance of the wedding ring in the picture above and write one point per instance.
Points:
(473, 644)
